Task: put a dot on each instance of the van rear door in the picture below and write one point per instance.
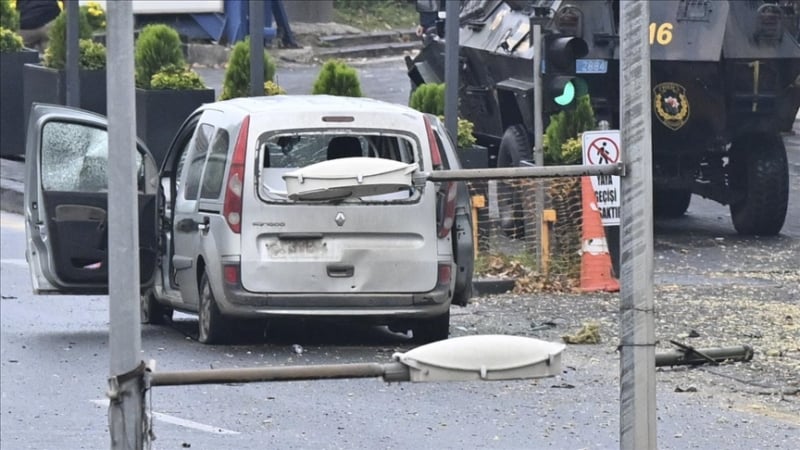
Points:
(338, 211)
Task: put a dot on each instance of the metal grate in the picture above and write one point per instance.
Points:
(694, 11)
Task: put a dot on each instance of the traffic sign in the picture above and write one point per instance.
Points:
(601, 148)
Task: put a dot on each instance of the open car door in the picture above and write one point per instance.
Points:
(66, 202)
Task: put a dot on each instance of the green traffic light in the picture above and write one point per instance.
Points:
(567, 96)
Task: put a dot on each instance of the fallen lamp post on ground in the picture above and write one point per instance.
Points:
(688, 355)
(483, 357)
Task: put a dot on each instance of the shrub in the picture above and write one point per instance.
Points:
(237, 74)
(93, 55)
(9, 16)
(337, 78)
(56, 54)
(157, 46)
(10, 41)
(428, 98)
(94, 15)
(177, 78)
(564, 126)
(272, 88)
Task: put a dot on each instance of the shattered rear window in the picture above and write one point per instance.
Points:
(284, 152)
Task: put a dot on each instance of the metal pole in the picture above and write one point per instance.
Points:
(637, 335)
(508, 173)
(391, 372)
(451, 36)
(125, 388)
(256, 48)
(538, 138)
(73, 91)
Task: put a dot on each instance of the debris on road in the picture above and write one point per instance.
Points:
(589, 334)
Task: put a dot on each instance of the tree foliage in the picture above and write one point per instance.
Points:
(158, 46)
(237, 74)
(566, 126)
(337, 78)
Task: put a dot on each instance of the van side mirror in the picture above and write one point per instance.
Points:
(427, 6)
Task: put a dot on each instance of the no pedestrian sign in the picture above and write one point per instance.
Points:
(599, 148)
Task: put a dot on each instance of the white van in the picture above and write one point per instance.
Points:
(314, 206)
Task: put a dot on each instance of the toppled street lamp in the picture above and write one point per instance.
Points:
(483, 357)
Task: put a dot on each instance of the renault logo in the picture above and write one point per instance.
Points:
(339, 218)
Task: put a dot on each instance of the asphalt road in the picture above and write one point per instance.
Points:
(54, 361)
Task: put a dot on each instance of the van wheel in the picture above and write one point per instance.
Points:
(153, 312)
(213, 328)
(433, 329)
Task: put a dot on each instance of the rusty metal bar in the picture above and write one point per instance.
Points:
(525, 172)
(390, 372)
(690, 356)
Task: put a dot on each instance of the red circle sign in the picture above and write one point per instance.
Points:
(602, 151)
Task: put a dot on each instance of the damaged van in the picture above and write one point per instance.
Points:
(281, 206)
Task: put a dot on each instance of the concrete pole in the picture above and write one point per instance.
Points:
(451, 27)
(125, 341)
(538, 138)
(256, 48)
(73, 87)
(637, 335)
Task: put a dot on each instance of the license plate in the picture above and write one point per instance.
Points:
(297, 248)
(591, 66)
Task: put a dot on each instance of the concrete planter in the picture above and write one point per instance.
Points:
(159, 114)
(12, 118)
(46, 85)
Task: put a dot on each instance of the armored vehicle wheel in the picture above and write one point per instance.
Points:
(153, 312)
(759, 183)
(515, 146)
(671, 203)
(432, 329)
(212, 326)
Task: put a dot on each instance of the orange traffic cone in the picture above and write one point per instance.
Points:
(595, 260)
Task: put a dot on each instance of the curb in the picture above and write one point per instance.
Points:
(491, 286)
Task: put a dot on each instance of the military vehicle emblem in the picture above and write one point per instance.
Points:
(671, 104)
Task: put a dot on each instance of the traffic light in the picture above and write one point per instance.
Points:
(562, 88)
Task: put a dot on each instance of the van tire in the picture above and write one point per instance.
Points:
(432, 329)
(213, 327)
(152, 312)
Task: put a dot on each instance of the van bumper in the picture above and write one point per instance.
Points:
(241, 303)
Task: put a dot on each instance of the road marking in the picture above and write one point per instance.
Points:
(15, 262)
(178, 421)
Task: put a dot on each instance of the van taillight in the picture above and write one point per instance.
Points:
(232, 209)
(230, 273)
(436, 156)
(445, 272)
(447, 211)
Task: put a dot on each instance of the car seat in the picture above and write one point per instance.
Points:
(344, 147)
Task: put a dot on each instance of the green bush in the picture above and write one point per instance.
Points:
(428, 98)
(564, 126)
(272, 88)
(237, 74)
(9, 17)
(337, 78)
(93, 55)
(56, 54)
(10, 41)
(157, 46)
(176, 77)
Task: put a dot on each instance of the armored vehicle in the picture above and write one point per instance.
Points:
(725, 84)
